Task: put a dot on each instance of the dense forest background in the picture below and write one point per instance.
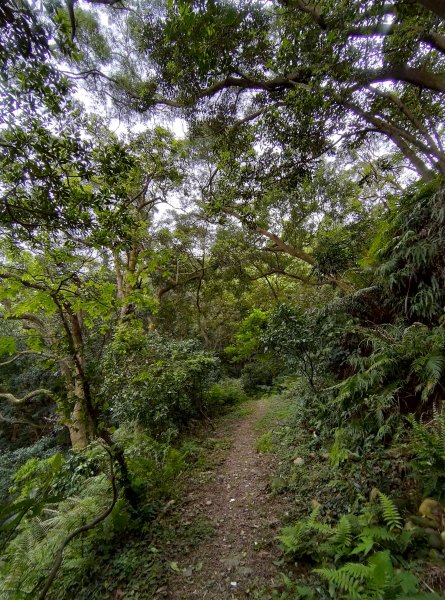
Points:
(204, 201)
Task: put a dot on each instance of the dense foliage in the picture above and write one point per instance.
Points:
(156, 382)
(203, 201)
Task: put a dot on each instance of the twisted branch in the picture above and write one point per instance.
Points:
(14, 400)
(59, 555)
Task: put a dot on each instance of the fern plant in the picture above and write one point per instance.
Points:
(411, 254)
(303, 538)
(356, 557)
(375, 580)
(376, 527)
(29, 556)
(428, 447)
(399, 368)
(390, 512)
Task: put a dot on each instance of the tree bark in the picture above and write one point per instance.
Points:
(418, 77)
(79, 422)
(83, 419)
(436, 40)
(77, 426)
(14, 400)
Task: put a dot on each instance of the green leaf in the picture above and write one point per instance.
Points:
(365, 546)
(7, 345)
(382, 568)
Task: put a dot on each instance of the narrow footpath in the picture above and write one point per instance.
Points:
(238, 560)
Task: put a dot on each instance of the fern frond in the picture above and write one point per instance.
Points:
(291, 538)
(379, 534)
(391, 514)
(343, 532)
(348, 579)
(434, 366)
(29, 555)
(322, 528)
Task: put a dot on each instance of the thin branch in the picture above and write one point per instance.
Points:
(309, 8)
(28, 317)
(174, 283)
(24, 282)
(394, 98)
(417, 77)
(285, 273)
(436, 40)
(281, 246)
(250, 117)
(19, 355)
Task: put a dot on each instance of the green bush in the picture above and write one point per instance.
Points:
(259, 374)
(338, 249)
(247, 342)
(227, 392)
(49, 519)
(11, 461)
(409, 249)
(265, 443)
(155, 381)
(427, 444)
(310, 344)
(54, 496)
(153, 465)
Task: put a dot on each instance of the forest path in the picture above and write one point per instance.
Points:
(237, 500)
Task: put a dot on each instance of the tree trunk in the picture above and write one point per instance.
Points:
(77, 427)
(79, 423)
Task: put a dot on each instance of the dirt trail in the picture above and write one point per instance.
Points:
(246, 516)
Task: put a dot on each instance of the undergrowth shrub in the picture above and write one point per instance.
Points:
(247, 340)
(409, 254)
(153, 464)
(259, 374)
(393, 363)
(11, 461)
(225, 393)
(265, 443)
(155, 381)
(393, 369)
(29, 555)
(309, 344)
(54, 496)
(258, 367)
(341, 482)
(368, 365)
(359, 557)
